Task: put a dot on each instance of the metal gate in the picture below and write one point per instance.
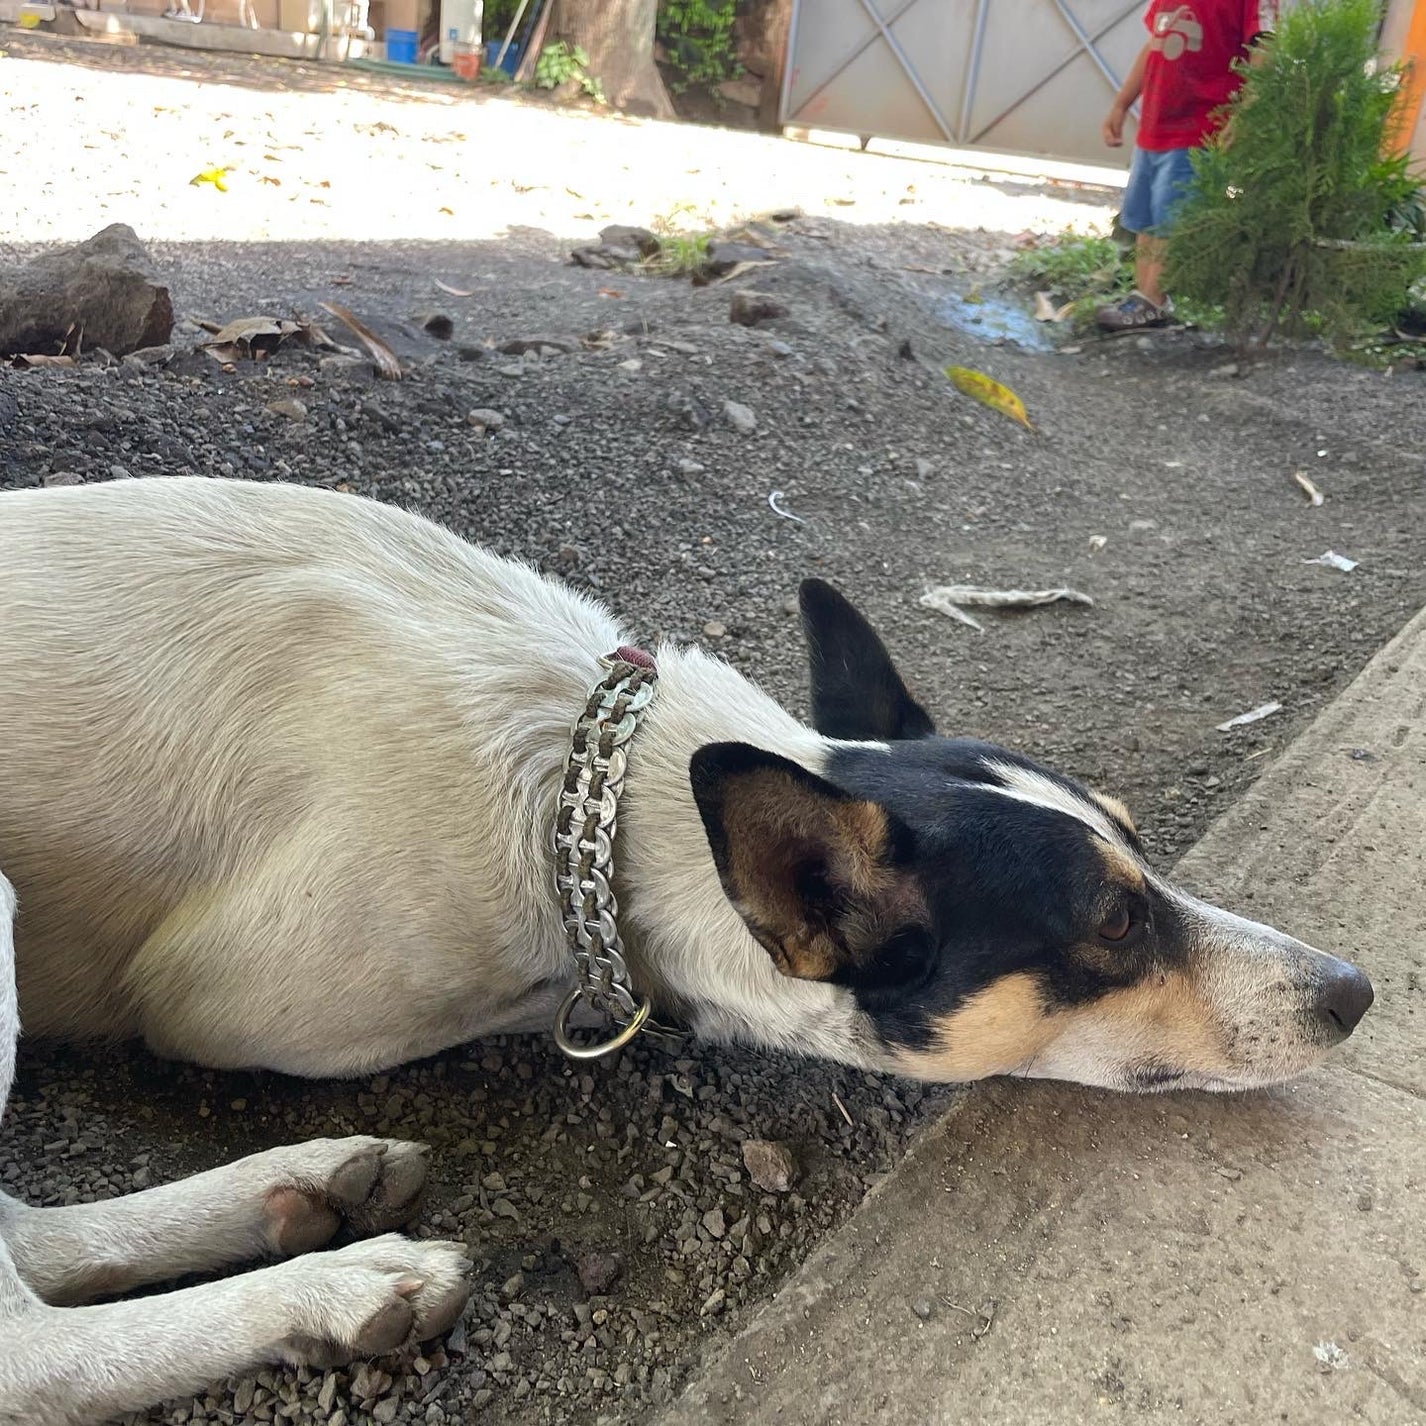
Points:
(1018, 76)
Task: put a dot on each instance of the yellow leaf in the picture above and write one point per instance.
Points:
(218, 177)
(989, 392)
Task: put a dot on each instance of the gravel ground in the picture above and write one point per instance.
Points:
(1154, 481)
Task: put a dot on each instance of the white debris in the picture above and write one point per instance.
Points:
(1332, 1357)
(1336, 561)
(950, 599)
(1253, 715)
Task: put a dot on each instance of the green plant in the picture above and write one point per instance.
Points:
(1304, 221)
(562, 63)
(1072, 266)
(697, 36)
(682, 252)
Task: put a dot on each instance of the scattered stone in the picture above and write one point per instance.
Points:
(692, 414)
(486, 418)
(746, 91)
(439, 326)
(924, 1308)
(513, 1286)
(770, 1164)
(151, 356)
(713, 1220)
(924, 469)
(61, 477)
(714, 630)
(103, 289)
(9, 410)
(740, 417)
(290, 407)
(723, 257)
(691, 467)
(622, 235)
(747, 308)
(598, 1272)
(541, 344)
(619, 246)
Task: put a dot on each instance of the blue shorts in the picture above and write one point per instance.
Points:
(1158, 182)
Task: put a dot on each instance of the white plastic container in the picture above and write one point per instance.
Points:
(460, 25)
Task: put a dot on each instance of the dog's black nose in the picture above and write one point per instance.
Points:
(1345, 995)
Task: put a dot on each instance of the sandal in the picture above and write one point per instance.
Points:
(1134, 312)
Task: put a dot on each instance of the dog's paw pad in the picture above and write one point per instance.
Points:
(370, 1298)
(392, 1193)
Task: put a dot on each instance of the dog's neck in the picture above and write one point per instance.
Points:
(688, 946)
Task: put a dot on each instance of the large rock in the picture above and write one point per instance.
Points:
(105, 288)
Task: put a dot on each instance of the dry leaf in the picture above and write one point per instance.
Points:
(341, 282)
(1314, 496)
(253, 338)
(610, 292)
(386, 363)
(23, 363)
(1044, 308)
(989, 392)
(454, 291)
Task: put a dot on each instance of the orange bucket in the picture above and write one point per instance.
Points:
(466, 62)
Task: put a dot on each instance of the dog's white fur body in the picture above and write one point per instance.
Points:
(289, 806)
(314, 779)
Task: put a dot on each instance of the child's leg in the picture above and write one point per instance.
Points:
(1150, 256)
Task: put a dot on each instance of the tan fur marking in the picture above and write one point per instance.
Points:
(995, 1032)
(1004, 1028)
(1164, 1017)
(1115, 808)
(773, 823)
(1121, 866)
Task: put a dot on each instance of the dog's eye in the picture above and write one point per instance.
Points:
(1117, 925)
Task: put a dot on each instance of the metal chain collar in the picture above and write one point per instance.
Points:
(585, 824)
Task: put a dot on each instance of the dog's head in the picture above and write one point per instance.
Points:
(993, 917)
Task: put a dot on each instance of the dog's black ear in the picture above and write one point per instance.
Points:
(856, 690)
(814, 872)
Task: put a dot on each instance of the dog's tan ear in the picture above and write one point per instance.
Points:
(812, 871)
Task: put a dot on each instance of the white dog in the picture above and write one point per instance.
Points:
(280, 772)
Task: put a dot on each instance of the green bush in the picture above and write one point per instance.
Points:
(697, 36)
(561, 63)
(1302, 218)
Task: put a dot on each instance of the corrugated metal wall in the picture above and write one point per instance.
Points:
(1018, 76)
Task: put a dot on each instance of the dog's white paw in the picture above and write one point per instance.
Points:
(370, 1298)
(371, 1185)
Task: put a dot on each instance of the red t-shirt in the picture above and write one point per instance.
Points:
(1189, 75)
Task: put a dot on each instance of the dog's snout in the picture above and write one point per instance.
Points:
(1344, 997)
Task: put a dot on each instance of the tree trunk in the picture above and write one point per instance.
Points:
(618, 36)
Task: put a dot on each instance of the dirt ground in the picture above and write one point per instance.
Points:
(1155, 480)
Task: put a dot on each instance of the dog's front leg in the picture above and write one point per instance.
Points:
(280, 1203)
(75, 1366)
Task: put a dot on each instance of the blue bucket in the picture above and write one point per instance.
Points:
(512, 56)
(401, 46)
